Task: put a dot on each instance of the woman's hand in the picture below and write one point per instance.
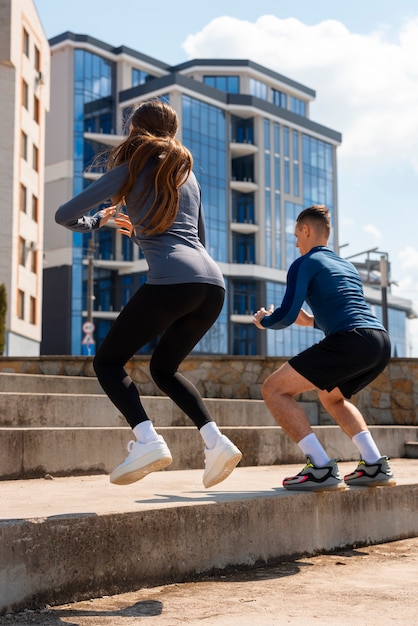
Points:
(106, 215)
(125, 225)
(304, 318)
(261, 313)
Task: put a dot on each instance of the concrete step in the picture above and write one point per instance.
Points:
(32, 410)
(69, 539)
(43, 383)
(35, 452)
(411, 450)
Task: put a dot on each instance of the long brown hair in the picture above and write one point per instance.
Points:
(151, 141)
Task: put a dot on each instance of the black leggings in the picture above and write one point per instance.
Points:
(183, 314)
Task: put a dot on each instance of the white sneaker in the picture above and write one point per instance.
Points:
(142, 459)
(220, 461)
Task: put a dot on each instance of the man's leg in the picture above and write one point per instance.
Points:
(278, 392)
(373, 469)
(351, 421)
(347, 416)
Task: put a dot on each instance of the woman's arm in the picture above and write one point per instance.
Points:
(71, 214)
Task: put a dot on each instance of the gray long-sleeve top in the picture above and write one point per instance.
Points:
(177, 255)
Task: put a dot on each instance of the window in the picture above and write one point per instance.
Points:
(25, 94)
(205, 134)
(242, 130)
(25, 42)
(36, 109)
(243, 248)
(279, 98)
(244, 297)
(22, 251)
(297, 106)
(244, 339)
(35, 158)
(127, 288)
(286, 150)
(20, 304)
(127, 249)
(37, 59)
(295, 140)
(24, 146)
(34, 208)
(23, 197)
(139, 77)
(243, 208)
(242, 168)
(258, 89)
(33, 261)
(32, 310)
(230, 84)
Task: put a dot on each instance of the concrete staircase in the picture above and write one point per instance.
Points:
(68, 534)
(66, 426)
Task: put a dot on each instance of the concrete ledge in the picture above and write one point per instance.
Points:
(34, 452)
(70, 539)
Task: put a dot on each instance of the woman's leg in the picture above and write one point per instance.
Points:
(178, 341)
(185, 313)
(140, 321)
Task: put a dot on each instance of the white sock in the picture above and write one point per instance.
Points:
(210, 433)
(368, 449)
(145, 432)
(311, 447)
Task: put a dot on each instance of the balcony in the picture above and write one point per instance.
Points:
(241, 319)
(245, 185)
(240, 149)
(244, 228)
(105, 138)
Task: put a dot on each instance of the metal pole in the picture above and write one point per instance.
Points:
(90, 283)
(384, 286)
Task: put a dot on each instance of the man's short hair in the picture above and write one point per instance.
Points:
(318, 216)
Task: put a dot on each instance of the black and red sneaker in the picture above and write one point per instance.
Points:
(313, 478)
(377, 474)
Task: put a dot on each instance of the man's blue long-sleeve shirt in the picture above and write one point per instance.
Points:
(332, 288)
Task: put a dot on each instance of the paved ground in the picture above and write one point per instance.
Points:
(367, 586)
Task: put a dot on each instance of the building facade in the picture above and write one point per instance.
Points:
(24, 89)
(259, 159)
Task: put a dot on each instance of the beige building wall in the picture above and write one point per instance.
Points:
(24, 89)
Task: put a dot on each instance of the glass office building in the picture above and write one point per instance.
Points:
(259, 159)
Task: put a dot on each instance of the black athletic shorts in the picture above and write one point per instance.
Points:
(349, 360)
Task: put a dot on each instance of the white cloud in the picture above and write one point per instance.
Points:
(372, 230)
(366, 85)
(408, 279)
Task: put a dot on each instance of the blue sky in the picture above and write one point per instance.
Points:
(361, 58)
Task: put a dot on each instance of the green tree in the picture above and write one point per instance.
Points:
(3, 310)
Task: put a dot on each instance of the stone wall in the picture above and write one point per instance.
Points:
(391, 399)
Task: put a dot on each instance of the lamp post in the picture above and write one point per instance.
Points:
(384, 282)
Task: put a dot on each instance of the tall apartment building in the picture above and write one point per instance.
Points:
(260, 160)
(24, 93)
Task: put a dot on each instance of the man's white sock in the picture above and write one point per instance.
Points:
(210, 433)
(311, 447)
(368, 449)
(145, 432)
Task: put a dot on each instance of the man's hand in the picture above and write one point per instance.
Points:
(261, 313)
